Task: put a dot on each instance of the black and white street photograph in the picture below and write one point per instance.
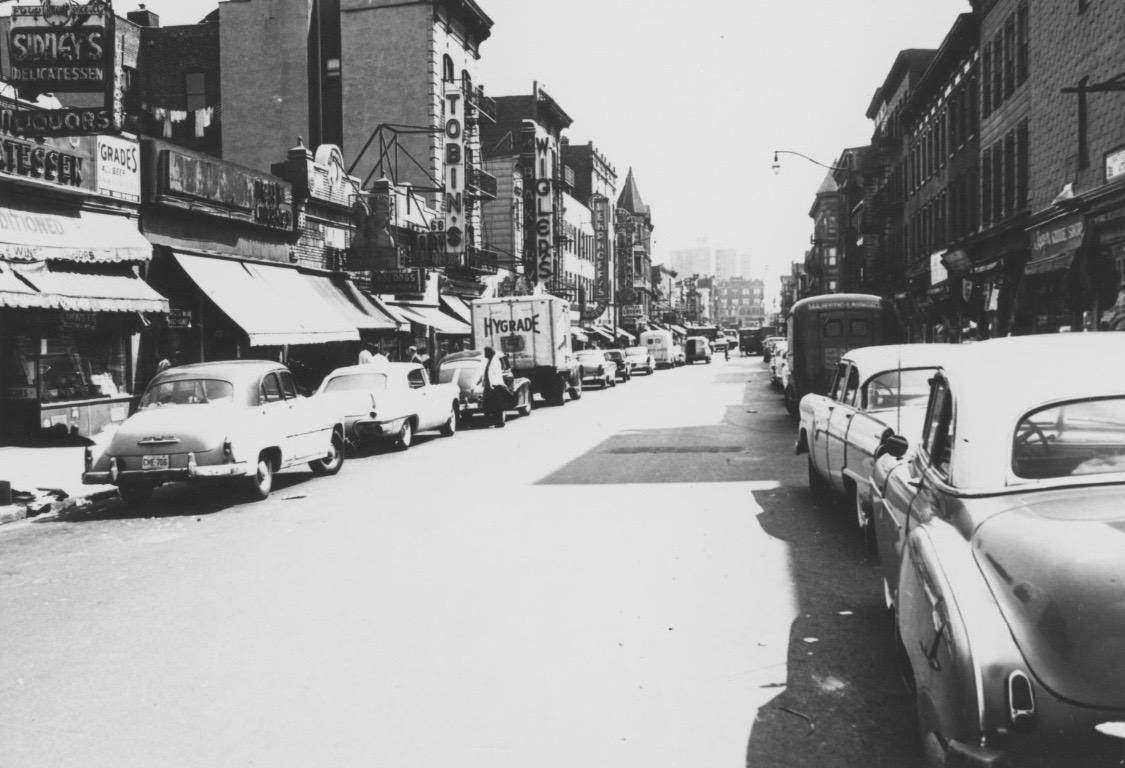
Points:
(600, 383)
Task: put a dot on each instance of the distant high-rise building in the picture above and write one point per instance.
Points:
(745, 266)
(726, 263)
(693, 261)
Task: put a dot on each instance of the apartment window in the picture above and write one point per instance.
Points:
(196, 90)
(831, 285)
(1022, 34)
(998, 70)
(1009, 56)
(447, 71)
(986, 187)
(974, 113)
(997, 181)
(986, 81)
(1022, 155)
(1010, 201)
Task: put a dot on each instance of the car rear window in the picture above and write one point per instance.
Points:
(187, 392)
(463, 373)
(350, 382)
(1082, 437)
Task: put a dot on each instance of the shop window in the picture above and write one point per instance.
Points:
(75, 365)
(195, 88)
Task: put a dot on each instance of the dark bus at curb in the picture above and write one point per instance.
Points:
(824, 328)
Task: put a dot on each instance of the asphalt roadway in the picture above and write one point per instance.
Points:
(639, 578)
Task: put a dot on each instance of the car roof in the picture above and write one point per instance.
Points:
(890, 357)
(996, 382)
(466, 354)
(234, 370)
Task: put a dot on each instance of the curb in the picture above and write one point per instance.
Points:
(62, 508)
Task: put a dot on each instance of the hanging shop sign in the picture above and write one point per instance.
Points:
(454, 138)
(1058, 237)
(398, 281)
(179, 317)
(601, 249)
(53, 163)
(632, 311)
(226, 190)
(118, 168)
(61, 47)
(544, 209)
(1115, 164)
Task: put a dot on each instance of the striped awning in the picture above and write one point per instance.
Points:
(32, 234)
(43, 286)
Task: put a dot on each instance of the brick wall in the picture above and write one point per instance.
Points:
(1067, 46)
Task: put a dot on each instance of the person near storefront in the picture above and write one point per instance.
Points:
(496, 392)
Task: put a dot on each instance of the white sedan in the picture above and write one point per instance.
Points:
(393, 401)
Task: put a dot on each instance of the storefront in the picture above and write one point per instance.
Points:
(227, 256)
(1052, 297)
(72, 301)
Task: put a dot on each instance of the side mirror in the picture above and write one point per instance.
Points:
(892, 445)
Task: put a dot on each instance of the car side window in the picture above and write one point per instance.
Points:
(416, 378)
(937, 438)
(271, 388)
(288, 386)
(852, 385)
(838, 383)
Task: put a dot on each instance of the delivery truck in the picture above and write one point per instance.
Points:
(534, 332)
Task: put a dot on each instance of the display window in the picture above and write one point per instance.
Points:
(69, 366)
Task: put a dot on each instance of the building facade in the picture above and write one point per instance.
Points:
(634, 255)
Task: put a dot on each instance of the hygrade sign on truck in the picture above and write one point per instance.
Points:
(493, 325)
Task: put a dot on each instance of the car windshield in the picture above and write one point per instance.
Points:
(465, 373)
(187, 392)
(351, 382)
(895, 389)
(1084, 437)
(615, 355)
(591, 356)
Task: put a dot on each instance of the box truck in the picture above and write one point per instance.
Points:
(534, 332)
(659, 344)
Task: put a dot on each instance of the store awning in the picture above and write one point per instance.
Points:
(579, 334)
(679, 329)
(53, 288)
(434, 318)
(350, 302)
(603, 332)
(457, 307)
(624, 334)
(1050, 263)
(275, 306)
(31, 234)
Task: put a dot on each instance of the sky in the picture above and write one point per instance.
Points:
(696, 96)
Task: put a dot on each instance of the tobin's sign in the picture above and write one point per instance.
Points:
(544, 209)
(454, 138)
(62, 47)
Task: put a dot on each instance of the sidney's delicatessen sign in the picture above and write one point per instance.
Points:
(64, 48)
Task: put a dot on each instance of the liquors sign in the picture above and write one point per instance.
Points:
(62, 47)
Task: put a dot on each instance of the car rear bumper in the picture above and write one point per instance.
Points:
(154, 476)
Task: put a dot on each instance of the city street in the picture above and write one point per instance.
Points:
(639, 578)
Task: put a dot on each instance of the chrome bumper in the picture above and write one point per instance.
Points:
(113, 476)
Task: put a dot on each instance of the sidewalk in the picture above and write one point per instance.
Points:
(52, 475)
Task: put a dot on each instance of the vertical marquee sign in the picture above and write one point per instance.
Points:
(544, 209)
(454, 136)
(601, 249)
(63, 47)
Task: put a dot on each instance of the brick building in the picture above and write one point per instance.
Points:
(1077, 166)
(822, 261)
(855, 172)
(940, 120)
(737, 302)
(634, 251)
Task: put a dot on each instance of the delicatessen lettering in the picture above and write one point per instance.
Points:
(24, 158)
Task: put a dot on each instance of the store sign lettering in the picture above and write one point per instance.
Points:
(272, 208)
(62, 46)
(1115, 164)
(454, 137)
(258, 199)
(544, 210)
(34, 161)
(119, 168)
(494, 326)
(601, 249)
(55, 122)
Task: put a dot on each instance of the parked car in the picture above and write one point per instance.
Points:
(769, 344)
(623, 370)
(640, 360)
(466, 370)
(241, 419)
(999, 533)
(594, 368)
(391, 402)
(876, 390)
(697, 348)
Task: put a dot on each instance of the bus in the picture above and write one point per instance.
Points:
(823, 328)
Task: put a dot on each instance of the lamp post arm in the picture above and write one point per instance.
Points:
(777, 163)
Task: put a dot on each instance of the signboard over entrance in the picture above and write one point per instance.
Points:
(62, 47)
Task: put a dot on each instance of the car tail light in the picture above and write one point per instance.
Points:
(228, 450)
(1021, 701)
(373, 413)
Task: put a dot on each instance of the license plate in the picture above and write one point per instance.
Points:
(155, 462)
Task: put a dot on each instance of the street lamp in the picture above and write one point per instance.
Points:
(777, 162)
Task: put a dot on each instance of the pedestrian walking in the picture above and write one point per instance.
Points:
(497, 396)
(366, 354)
